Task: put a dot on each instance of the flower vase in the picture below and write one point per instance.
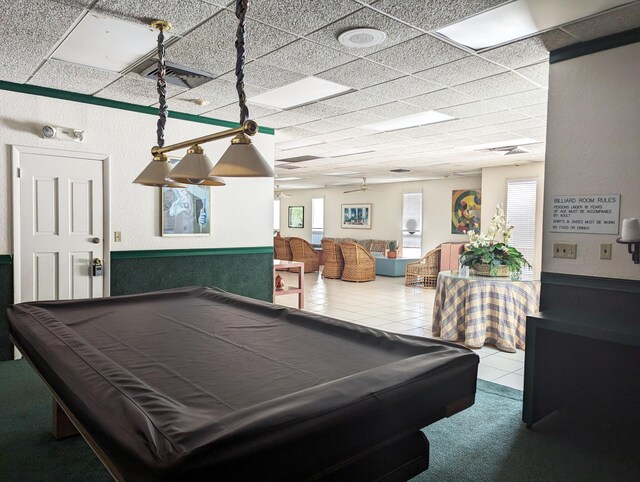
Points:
(483, 269)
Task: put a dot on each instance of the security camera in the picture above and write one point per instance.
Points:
(62, 133)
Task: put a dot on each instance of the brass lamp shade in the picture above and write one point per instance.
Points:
(194, 168)
(155, 173)
(242, 159)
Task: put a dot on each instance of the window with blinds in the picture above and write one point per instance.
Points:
(412, 224)
(521, 213)
(276, 214)
(317, 220)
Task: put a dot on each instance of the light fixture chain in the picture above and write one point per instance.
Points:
(241, 10)
(162, 89)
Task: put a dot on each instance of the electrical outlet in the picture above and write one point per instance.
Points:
(117, 236)
(565, 250)
(605, 251)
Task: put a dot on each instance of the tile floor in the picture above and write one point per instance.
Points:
(389, 305)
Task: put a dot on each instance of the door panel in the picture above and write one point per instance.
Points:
(61, 210)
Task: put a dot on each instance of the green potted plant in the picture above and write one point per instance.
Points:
(489, 257)
(392, 246)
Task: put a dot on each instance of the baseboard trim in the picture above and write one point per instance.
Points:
(170, 253)
(6, 259)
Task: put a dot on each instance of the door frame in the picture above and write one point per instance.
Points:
(16, 153)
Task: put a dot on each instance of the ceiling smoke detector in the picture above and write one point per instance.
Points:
(362, 37)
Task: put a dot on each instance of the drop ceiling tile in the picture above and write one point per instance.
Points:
(432, 14)
(347, 134)
(302, 16)
(538, 73)
(392, 110)
(218, 92)
(355, 100)
(402, 88)
(183, 14)
(455, 125)
(75, 78)
(26, 40)
(537, 110)
(418, 132)
(320, 110)
(498, 118)
(306, 57)
(322, 126)
(396, 32)
(418, 54)
(440, 99)
(137, 90)
(530, 123)
(371, 140)
(284, 119)
(354, 119)
(461, 71)
(265, 75)
(473, 109)
(231, 112)
(538, 133)
(496, 85)
(608, 23)
(529, 51)
(289, 133)
(359, 74)
(521, 99)
(481, 131)
(211, 46)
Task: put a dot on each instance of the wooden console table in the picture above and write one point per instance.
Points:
(283, 265)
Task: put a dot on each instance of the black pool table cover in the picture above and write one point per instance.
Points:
(197, 383)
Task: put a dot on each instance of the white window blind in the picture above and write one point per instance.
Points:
(276, 214)
(521, 213)
(411, 224)
(317, 220)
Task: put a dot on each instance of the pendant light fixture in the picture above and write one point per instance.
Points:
(157, 170)
(241, 159)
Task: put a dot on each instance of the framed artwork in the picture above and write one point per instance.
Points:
(356, 216)
(465, 211)
(296, 217)
(186, 211)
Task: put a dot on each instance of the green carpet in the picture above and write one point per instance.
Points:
(487, 442)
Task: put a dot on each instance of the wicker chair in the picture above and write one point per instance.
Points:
(359, 265)
(333, 260)
(282, 248)
(303, 251)
(424, 272)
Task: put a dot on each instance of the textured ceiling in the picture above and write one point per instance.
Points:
(496, 95)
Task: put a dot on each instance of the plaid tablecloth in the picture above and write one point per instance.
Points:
(480, 309)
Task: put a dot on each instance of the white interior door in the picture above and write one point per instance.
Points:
(58, 225)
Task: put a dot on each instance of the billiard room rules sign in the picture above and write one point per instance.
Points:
(586, 213)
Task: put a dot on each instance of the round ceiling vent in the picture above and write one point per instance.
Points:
(362, 37)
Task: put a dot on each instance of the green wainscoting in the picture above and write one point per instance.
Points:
(244, 271)
(6, 298)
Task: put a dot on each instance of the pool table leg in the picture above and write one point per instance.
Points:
(61, 426)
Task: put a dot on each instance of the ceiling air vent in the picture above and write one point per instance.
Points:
(399, 170)
(298, 159)
(179, 75)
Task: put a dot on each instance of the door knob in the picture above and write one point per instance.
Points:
(95, 240)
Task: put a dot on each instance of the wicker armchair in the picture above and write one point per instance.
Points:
(424, 272)
(333, 260)
(282, 248)
(303, 251)
(359, 265)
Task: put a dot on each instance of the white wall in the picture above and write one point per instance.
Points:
(593, 147)
(242, 213)
(494, 191)
(387, 210)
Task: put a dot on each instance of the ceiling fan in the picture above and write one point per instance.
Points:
(363, 187)
(280, 194)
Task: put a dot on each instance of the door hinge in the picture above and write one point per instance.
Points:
(19, 173)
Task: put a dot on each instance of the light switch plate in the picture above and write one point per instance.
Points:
(117, 236)
(565, 250)
(605, 251)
